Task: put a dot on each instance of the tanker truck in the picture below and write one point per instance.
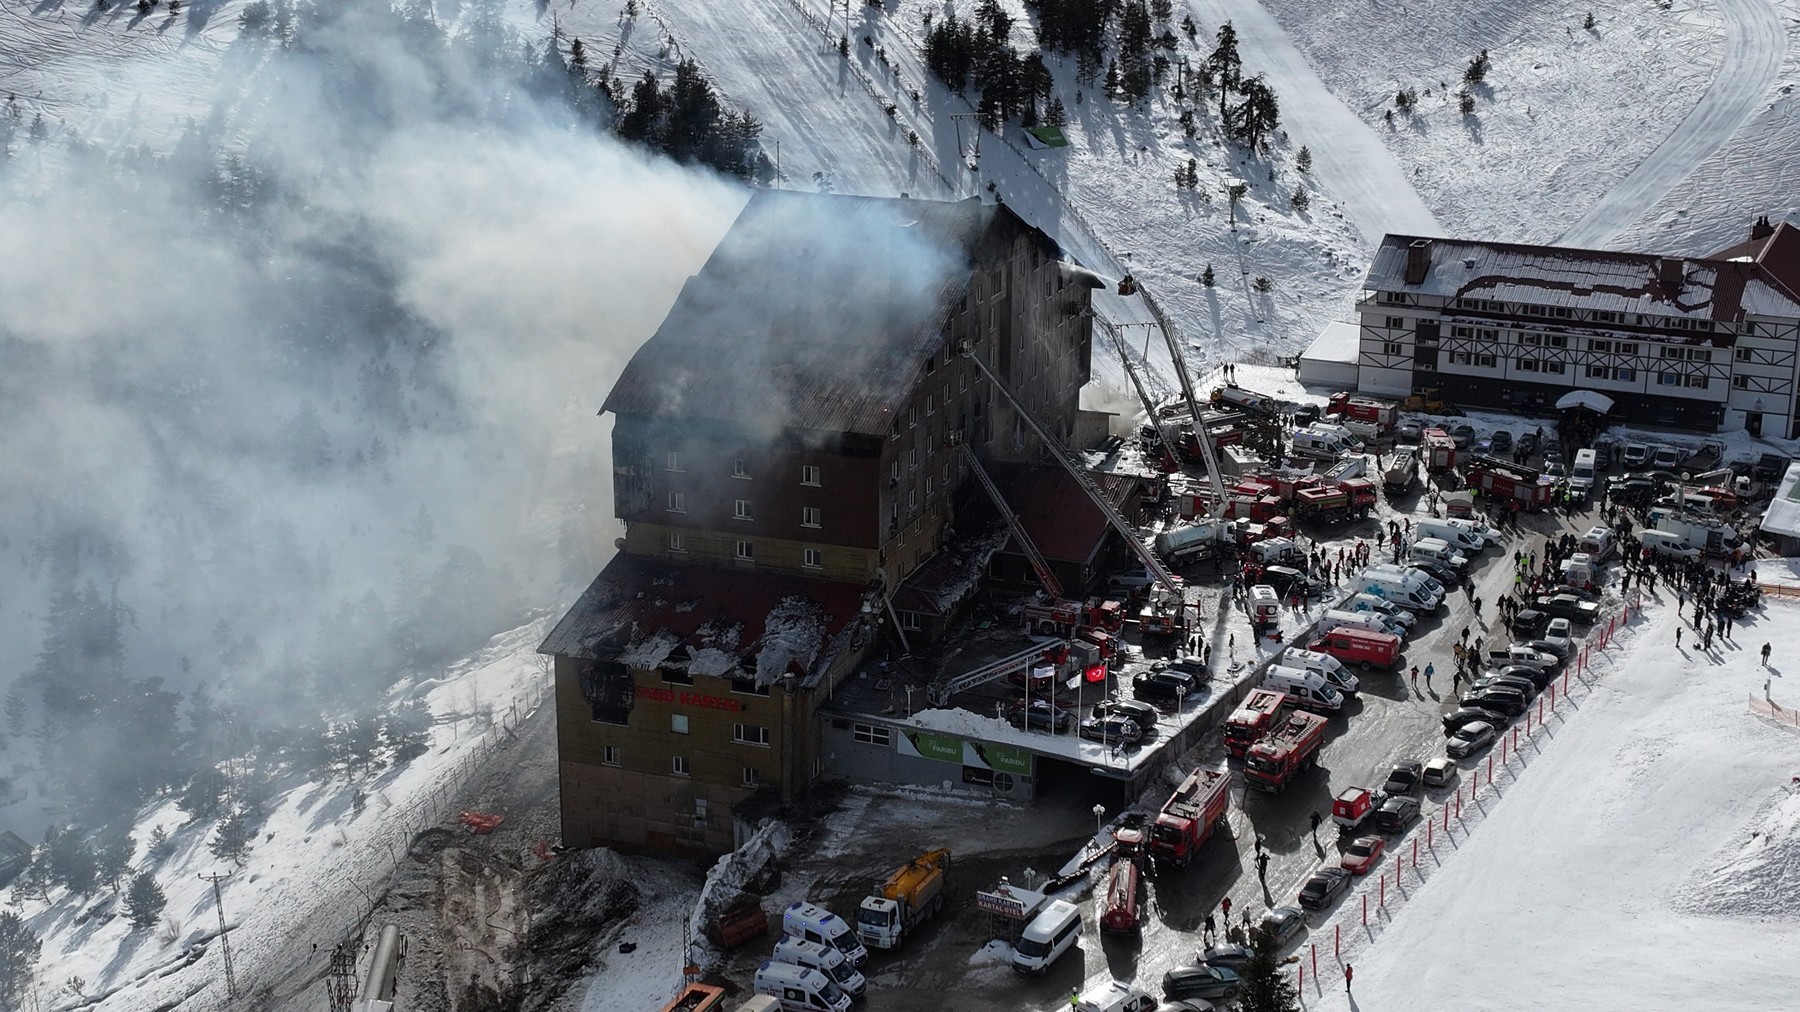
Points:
(905, 900)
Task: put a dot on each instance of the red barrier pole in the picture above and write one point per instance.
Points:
(1446, 818)
(1540, 710)
(1384, 890)
(1490, 767)
(1527, 722)
(1415, 855)
(1459, 804)
(1366, 899)
(1428, 826)
(1515, 739)
(1337, 939)
(1315, 955)
(1300, 968)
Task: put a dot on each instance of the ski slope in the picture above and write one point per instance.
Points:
(1647, 858)
(1755, 42)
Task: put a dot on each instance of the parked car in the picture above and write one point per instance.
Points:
(1501, 442)
(1403, 778)
(1129, 582)
(1506, 701)
(1538, 677)
(1665, 458)
(1462, 435)
(1325, 885)
(1559, 627)
(1555, 469)
(1142, 714)
(1522, 686)
(1287, 580)
(1116, 996)
(1395, 814)
(1412, 430)
(1443, 573)
(1199, 980)
(1529, 622)
(1112, 730)
(1283, 922)
(1439, 772)
(1361, 854)
(1457, 719)
(1163, 685)
(1635, 455)
(1227, 954)
(1470, 739)
(1559, 647)
(1528, 443)
(1630, 491)
(1041, 716)
(1570, 607)
(1190, 665)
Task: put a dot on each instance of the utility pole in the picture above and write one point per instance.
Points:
(341, 984)
(224, 937)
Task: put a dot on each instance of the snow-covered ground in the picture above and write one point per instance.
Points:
(310, 870)
(1644, 858)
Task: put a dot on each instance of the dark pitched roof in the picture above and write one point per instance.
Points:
(815, 312)
(1058, 516)
(717, 622)
(1699, 288)
(1778, 254)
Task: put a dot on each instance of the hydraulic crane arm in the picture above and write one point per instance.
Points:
(1052, 585)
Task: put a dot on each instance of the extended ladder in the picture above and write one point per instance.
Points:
(1052, 585)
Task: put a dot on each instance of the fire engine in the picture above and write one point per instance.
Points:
(1273, 762)
(1188, 817)
(1061, 617)
(1249, 722)
(1365, 409)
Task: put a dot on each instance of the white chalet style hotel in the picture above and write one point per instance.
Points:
(1704, 343)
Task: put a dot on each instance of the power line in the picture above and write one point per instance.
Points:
(224, 937)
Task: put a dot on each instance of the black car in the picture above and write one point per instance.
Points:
(1570, 607)
(1469, 715)
(1199, 981)
(1528, 443)
(1325, 885)
(1560, 648)
(1284, 922)
(1162, 686)
(1501, 442)
(1395, 814)
(1538, 677)
(1227, 954)
(1404, 778)
(1504, 700)
(1630, 492)
(1522, 686)
(1286, 580)
(1190, 665)
(1447, 575)
(1462, 435)
(1142, 713)
(1041, 716)
(1529, 623)
(1115, 730)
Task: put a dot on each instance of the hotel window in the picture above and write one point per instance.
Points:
(749, 687)
(912, 498)
(1742, 354)
(746, 551)
(930, 404)
(1532, 339)
(1628, 347)
(677, 541)
(740, 509)
(1600, 346)
(809, 516)
(677, 502)
(1671, 353)
(1396, 322)
(1625, 375)
(613, 756)
(1597, 372)
(814, 559)
(751, 777)
(1485, 361)
(1528, 365)
(1699, 354)
(750, 734)
(1390, 347)
(912, 416)
(678, 765)
(1697, 380)
(1740, 382)
(1462, 332)
(929, 480)
(869, 734)
(912, 457)
(672, 460)
(700, 807)
(1556, 341)
(809, 474)
(1556, 367)
(740, 468)
(1668, 379)
(678, 723)
(1605, 316)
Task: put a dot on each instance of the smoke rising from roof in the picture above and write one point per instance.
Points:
(309, 396)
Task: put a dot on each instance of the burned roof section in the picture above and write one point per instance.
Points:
(1720, 290)
(702, 621)
(815, 312)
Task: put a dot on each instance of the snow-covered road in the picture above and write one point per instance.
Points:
(1754, 45)
(1349, 156)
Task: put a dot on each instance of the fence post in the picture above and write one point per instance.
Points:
(1315, 958)
(1490, 768)
(1337, 939)
(1365, 899)
(1383, 900)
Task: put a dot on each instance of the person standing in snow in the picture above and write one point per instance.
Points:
(1765, 653)
(1678, 630)
(1429, 669)
(1348, 973)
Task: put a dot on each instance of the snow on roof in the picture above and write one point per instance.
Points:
(1783, 515)
(1639, 283)
(1338, 342)
(951, 575)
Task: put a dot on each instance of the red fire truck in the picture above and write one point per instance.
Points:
(1119, 903)
(1190, 814)
(1249, 722)
(1349, 500)
(1507, 482)
(1366, 409)
(1275, 760)
(1438, 450)
(1063, 617)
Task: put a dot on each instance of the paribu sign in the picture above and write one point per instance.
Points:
(980, 755)
(699, 699)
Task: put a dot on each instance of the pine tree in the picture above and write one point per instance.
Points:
(1206, 276)
(1466, 102)
(1258, 115)
(72, 862)
(1267, 987)
(112, 853)
(1112, 78)
(407, 731)
(1589, 22)
(231, 841)
(1056, 115)
(1477, 69)
(1162, 10)
(1225, 67)
(1303, 161)
(1188, 27)
(19, 948)
(577, 65)
(1300, 200)
(144, 901)
(15, 711)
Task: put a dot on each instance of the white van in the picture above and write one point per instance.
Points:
(1386, 609)
(1455, 535)
(1050, 934)
(1308, 689)
(1582, 474)
(1333, 669)
(1337, 618)
(1408, 589)
(800, 988)
(1671, 545)
(760, 1003)
(1597, 542)
(824, 959)
(814, 923)
(1436, 550)
(1489, 535)
(1322, 445)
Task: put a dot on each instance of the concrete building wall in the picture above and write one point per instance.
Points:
(863, 748)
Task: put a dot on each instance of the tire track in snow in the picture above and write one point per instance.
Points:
(1348, 155)
(1755, 42)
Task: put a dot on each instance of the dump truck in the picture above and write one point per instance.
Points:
(1272, 763)
(1250, 721)
(906, 899)
(1188, 817)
